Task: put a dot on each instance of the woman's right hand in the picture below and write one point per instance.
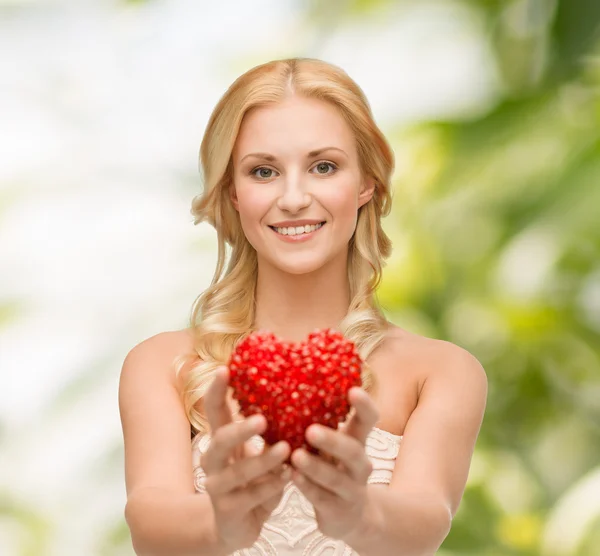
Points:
(244, 486)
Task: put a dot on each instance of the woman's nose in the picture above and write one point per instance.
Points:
(294, 195)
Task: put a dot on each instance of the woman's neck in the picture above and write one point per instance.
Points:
(291, 306)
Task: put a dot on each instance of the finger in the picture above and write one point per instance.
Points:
(346, 449)
(247, 470)
(365, 415)
(227, 439)
(258, 494)
(217, 410)
(318, 496)
(325, 475)
(251, 449)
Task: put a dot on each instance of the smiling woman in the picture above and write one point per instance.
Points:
(297, 179)
(298, 183)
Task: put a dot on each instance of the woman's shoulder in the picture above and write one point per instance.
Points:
(426, 356)
(412, 368)
(168, 343)
(166, 348)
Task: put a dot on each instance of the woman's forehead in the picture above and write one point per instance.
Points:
(298, 125)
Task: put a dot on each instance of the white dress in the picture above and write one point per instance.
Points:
(291, 530)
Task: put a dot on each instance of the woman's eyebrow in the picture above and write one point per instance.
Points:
(311, 154)
(317, 152)
(264, 156)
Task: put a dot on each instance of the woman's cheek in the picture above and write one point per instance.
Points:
(342, 203)
(251, 203)
(252, 211)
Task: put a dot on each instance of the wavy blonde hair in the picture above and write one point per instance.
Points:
(224, 313)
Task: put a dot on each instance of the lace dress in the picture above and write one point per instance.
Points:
(291, 530)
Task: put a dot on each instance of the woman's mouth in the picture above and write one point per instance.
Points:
(297, 234)
(297, 230)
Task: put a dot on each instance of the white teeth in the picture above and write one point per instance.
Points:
(294, 231)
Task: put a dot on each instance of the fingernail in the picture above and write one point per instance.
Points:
(316, 433)
(301, 458)
(280, 448)
(255, 421)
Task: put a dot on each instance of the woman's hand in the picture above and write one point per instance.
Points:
(244, 487)
(338, 489)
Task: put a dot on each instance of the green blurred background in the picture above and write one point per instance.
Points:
(493, 110)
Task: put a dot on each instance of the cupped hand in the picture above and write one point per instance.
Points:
(244, 486)
(335, 480)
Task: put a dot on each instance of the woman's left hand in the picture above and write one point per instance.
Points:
(335, 481)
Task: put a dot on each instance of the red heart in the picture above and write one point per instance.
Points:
(295, 385)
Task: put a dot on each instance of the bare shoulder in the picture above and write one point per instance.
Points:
(171, 341)
(156, 430)
(431, 358)
(410, 367)
(162, 349)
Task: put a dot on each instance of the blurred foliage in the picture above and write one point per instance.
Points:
(33, 528)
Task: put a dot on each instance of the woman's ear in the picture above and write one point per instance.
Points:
(366, 192)
(233, 197)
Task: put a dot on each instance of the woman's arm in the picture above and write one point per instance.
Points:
(164, 514)
(410, 525)
(166, 524)
(413, 516)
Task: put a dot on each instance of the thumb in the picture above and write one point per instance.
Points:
(217, 411)
(253, 447)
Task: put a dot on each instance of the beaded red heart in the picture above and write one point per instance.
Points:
(295, 384)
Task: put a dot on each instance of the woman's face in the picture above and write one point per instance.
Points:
(297, 183)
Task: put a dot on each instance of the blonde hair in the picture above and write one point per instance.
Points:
(224, 313)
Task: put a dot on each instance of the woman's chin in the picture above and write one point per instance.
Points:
(299, 266)
(300, 269)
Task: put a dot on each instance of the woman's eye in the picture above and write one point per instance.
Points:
(325, 168)
(263, 173)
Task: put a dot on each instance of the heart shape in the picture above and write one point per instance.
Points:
(295, 384)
